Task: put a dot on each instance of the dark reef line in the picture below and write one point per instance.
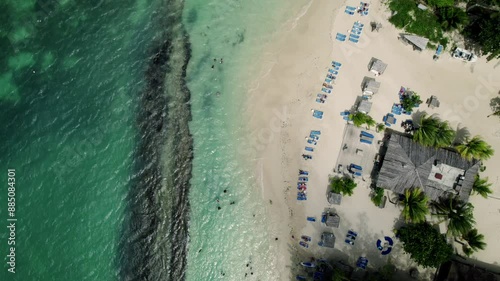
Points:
(155, 235)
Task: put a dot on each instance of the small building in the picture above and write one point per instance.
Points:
(439, 172)
(419, 43)
(455, 270)
(332, 219)
(334, 198)
(370, 86)
(364, 106)
(433, 102)
(327, 240)
(377, 66)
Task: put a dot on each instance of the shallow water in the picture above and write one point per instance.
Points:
(103, 153)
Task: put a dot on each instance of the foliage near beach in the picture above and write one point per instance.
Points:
(359, 119)
(415, 205)
(410, 101)
(432, 131)
(481, 187)
(478, 22)
(458, 215)
(425, 244)
(344, 185)
(475, 148)
(377, 196)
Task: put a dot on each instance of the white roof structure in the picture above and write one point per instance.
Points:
(364, 106)
(370, 86)
(377, 66)
(420, 43)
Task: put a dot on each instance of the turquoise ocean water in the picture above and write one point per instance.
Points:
(123, 138)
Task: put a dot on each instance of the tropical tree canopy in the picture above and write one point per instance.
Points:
(475, 148)
(425, 244)
(377, 196)
(481, 187)
(410, 101)
(475, 240)
(458, 214)
(359, 118)
(431, 131)
(452, 17)
(495, 106)
(415, 206)
(344, 185)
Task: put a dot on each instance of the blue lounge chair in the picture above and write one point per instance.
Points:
(358, 174)
(328, 80)
(365, 141)
(356, 167)
(326, 90)
(318, 114)
(323, 218)
(336, 63)
(354, 36)
(300, 278)
(341, 39)
(357, 24)
(349, 12)
(302, 172)
(319, 100)
(344, 113)
(304, 244)
(311, 219)
(340, 35)
(355, 32)
(303, 179)
(355, 234)
(311, 141)
(315, 132)
(350, 242)
(350, 8)
(308, 148)
(366, 134)
(389, 240)
(353, 40)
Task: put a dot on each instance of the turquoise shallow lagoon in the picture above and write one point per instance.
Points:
(75, 85)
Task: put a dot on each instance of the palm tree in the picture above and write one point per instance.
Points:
(414, 205)
(458, 214)
(338, 275)
(496, 113)
(380, 127)
(444, 135)
(474, 239)
(427, 128)
(481, 186)
(359, 118)
(344, 186)
(475, 148)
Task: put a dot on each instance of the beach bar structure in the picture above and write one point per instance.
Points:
(364, 106)
(327, 240)
(370, 86)
(377, 66)
(334, 198)
(439, 172)
(419, 43)
(332, 219)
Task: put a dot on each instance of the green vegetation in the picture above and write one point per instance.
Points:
(481, 187)
(380, 127)
(431, 131)
(475, 148)
(495, 106)
(359, 118)
(475, 241)
(479, 23)
(377, 196)
(458, 214)
(407, 16)
(425, 244)
(485, 31)
(344, 186)
(415, 206)
(410, 101)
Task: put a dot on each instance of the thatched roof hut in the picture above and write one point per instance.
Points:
(334, 198)
(458, 271)
(439, 172)
(419, 43)
(327, 239)
(377, 66)
(370, 86)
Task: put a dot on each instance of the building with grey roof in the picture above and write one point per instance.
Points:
(439, 172)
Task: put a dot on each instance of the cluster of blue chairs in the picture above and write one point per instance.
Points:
(356, 30)
(362, 262)
(350, 237)
(397, 109)
(356, 170)
(366, 137)
(363, 9)
(345, 115)
(350, 10)
(389, 119)
(385, 250)
(341, 37)
(318, 114)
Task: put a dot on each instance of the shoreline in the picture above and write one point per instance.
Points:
(292, 70)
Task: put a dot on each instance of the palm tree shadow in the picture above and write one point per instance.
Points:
(461, 135)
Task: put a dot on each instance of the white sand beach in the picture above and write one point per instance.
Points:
(284, 91)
